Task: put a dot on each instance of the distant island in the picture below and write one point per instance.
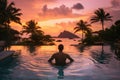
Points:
(67, 34)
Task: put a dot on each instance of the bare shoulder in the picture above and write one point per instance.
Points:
(66, 54)
(55, 53)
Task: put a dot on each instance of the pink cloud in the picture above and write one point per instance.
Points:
(57, 12)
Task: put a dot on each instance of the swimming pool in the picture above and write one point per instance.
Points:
(91, 63)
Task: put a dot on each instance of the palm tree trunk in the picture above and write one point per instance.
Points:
(102, 48)
(82, 36)
(102, 38)
(102, 29)
(8, 43)
(102, 25)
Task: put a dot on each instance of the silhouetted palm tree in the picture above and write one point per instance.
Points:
(35, 31)
(8, 13)
(101, 16)
(31, 27)
(117, 23)
(82, 26)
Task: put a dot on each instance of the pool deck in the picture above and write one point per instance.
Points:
(5, 54)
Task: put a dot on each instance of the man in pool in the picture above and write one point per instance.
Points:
(60, 57)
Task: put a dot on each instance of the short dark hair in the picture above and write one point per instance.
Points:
(60, 47)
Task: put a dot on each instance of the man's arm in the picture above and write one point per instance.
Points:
(71, 60)
(50, 60)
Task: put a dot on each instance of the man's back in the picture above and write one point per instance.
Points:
(60, 57)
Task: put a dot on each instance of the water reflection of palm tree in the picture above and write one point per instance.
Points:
(117, 52)
(82, 26)
(101, 57)
(82, 48)
(32, 49)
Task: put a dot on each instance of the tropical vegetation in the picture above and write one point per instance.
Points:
(83, 26)
(104, 35)
(101, 16)
(37, 36)
(8, 13)
(112, 34)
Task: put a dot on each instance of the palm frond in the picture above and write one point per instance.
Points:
(100, 16)
(77, 30)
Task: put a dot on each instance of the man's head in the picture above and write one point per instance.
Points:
(60, 47)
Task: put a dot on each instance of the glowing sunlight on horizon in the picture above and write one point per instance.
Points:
(56, 16)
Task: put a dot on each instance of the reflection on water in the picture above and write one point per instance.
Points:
(101, 57)
(90, 64)
(117, 55)
(117, 52)
(31, 49)
(6, 68)
(82, 48)
(60, 69)
(60, 72)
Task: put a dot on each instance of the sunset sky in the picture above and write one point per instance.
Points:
(55, 16)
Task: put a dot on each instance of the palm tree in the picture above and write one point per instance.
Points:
(101, 16)
(82, 26)
(32, 28)
(8, 13)
(117, 23)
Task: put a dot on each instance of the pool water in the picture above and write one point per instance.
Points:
(90, 63)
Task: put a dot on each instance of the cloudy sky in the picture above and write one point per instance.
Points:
(55, 16)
